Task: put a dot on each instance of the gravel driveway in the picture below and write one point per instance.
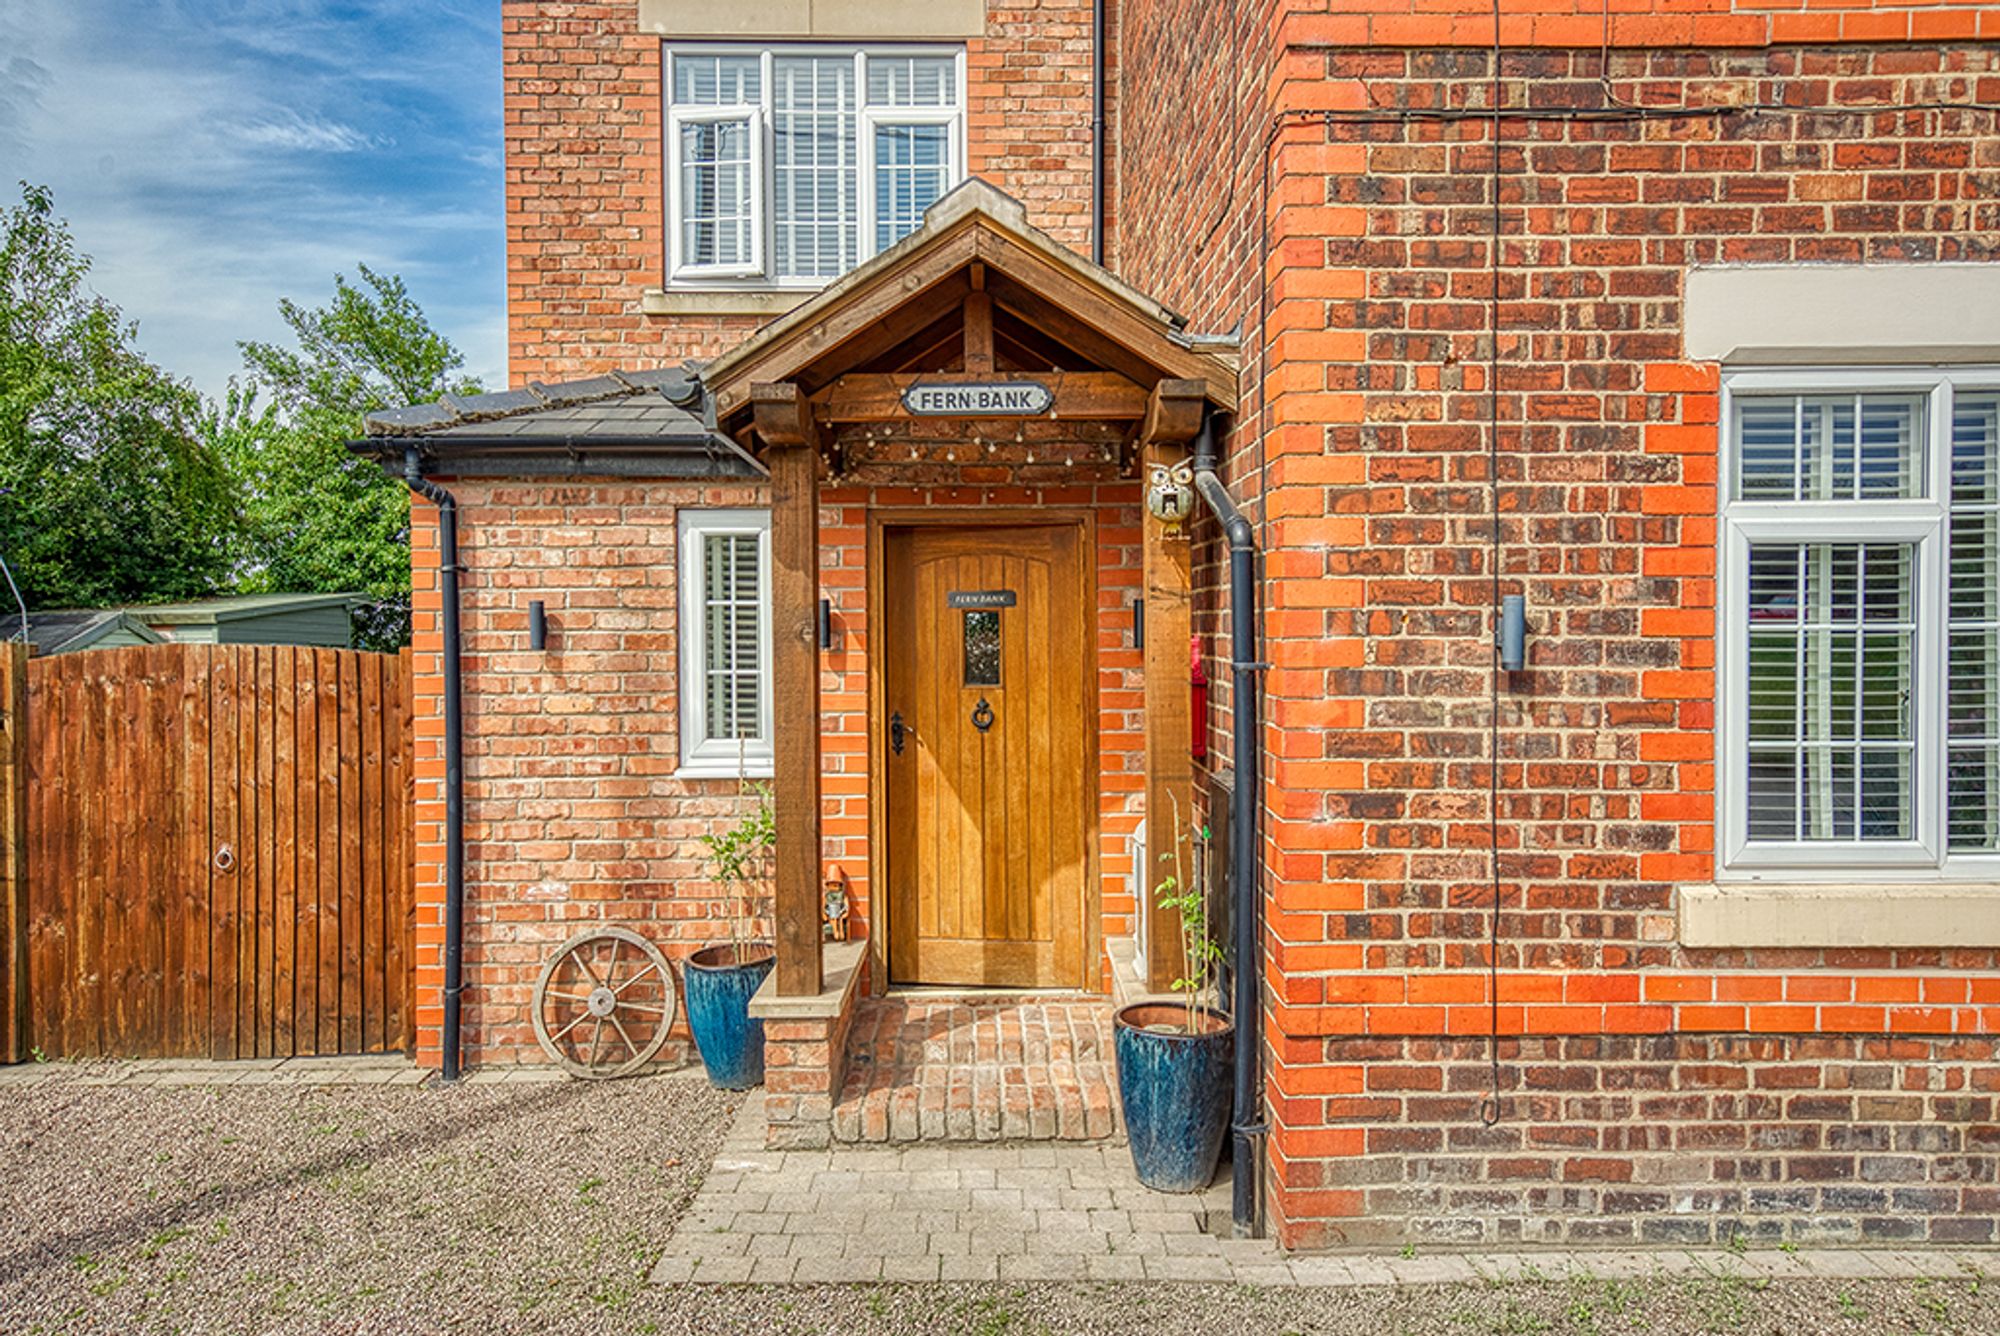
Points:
(539, 1208)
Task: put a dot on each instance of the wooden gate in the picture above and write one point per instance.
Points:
(219, 861)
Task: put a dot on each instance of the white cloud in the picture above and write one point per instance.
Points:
(214, 157)
(302, 134)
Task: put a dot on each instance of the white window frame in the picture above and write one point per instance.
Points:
(763, 152)
(872, 121)
(679, 265)
(1923, 523)
(703, 757)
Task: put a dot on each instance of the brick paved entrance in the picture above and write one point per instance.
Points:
(922, 1068)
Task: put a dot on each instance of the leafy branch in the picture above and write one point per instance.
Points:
(739, 859)
(1188, 898)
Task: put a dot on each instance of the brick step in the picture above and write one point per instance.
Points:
(958, 1070)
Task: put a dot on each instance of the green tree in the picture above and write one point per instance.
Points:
(319, 519)
(108, 494)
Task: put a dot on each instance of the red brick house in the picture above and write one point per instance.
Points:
(1683, 327)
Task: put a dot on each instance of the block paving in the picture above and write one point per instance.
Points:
(1072, 1211)
(984, 1070)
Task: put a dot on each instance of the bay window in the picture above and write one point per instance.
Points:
(787, 166)
(1859, 721)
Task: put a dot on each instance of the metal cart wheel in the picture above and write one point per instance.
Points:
(604, 1004)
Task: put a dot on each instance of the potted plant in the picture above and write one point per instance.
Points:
(1174, 1058)
(720, 980)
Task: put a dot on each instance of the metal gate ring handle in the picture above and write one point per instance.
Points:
(225, 858)
(982, 715)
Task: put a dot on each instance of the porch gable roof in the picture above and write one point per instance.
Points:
(975, 237)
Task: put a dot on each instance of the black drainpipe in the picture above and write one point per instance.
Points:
(1097, 132)
(454, 757)
(1246, 972)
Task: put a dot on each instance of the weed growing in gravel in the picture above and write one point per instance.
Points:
(152, 1247)
(1519, 1321)
(1850, 1308)
(1933, 1299)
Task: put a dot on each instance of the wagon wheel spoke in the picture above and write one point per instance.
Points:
(568, 997)
(641, 1006)
(619, 1026)
(581, 1017)
(650, 968)
(588, 972)
(596, 1042)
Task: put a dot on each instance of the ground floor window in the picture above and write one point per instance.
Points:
(1860, 693)
(725, 631)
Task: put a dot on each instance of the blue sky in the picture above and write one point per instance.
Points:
(213, 156)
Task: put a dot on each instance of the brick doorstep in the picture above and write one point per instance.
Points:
(924, 1069)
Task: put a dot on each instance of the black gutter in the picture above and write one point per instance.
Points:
(454, 757)
(1246, 959)
(1097, 132)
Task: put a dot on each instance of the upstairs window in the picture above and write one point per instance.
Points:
(788, 166)
(1860, 697)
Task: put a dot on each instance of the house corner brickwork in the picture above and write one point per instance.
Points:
(1645, 1092)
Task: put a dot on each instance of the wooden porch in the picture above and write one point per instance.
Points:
(974, 346)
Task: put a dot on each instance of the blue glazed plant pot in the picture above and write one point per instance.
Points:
(1175, 1088)
(719, 982)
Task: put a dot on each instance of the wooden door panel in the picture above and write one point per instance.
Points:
(988, 849)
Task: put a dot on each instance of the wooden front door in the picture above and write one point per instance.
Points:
(987, 655)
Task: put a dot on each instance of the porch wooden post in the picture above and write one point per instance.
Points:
(14, 852)
(1173, 416)
(784, 423)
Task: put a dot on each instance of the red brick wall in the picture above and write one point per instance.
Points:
(574, 816)
(586, 202)
(1717, 1083)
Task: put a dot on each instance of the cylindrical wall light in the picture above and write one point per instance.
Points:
(538, 626)
(826, 623)
(1513, 633)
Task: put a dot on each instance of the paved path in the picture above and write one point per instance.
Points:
(1058, 1211)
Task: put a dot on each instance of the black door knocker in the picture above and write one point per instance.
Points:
(896, 732)
(982, 715)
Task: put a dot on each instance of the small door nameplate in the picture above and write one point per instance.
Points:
(1000, 398)
(980, 598)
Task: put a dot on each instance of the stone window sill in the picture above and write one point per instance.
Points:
(761, 302)
(1734, 914)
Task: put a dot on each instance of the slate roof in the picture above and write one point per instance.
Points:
(616, 423)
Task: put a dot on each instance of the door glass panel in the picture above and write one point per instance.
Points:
(982, 648)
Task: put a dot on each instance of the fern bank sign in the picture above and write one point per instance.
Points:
(992, 398)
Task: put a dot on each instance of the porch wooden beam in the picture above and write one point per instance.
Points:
(1173, 412)
(979, 328)
(1079, 396)
(1168, 581)
(779, 414)
(794, 466)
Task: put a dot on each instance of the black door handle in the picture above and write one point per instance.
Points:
(896, 732)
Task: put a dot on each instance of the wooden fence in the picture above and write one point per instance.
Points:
(217, 852)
